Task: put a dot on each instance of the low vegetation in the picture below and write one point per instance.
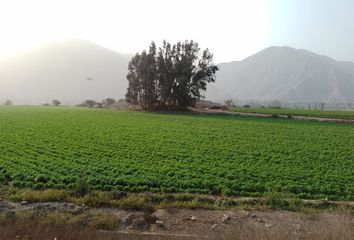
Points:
(149, 202)
(91, 218)
(54, 148)
(299, 112)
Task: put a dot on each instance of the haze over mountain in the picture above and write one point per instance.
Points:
(75, 70)
(285, 74)
(71, 71)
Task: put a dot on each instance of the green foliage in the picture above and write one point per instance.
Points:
(108, 101)
(89, 103)
(8, 103)
(43, 148)
(279, 200)
(56, 102)
(173, 76)
(229, 103)
(81, 187)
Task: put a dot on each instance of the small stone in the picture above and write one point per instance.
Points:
(214, 226)
(217, 202)
(244, 214)
(159, 214)
(127, 219)
(139, 222)
(259, 220)
(193, 218)
(71, 205)
(269, 225)
(159, 223)
(225, 218)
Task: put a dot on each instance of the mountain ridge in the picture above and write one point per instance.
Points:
(285, 74)
(74, 70)
(71, 71)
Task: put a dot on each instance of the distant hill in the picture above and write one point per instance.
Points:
(285, 74)
(70, 70)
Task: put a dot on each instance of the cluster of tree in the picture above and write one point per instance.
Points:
(170, 77)
(8, 103)
(230, 103)
(56, 102)
(316, 106)
(92, 103)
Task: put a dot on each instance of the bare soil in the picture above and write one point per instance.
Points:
(181, 224)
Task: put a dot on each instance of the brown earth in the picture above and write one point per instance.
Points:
(178, 224)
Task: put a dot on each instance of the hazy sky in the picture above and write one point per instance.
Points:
(232, 29)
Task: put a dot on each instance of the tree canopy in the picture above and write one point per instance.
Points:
(170, 77)
(8, 103)
(56, 102)
(108, 101)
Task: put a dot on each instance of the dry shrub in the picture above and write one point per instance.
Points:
(97, 199)
(134, 202)
(49, 195)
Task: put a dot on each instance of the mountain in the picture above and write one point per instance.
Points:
(285, 74)
(75, 70)
(70, 70)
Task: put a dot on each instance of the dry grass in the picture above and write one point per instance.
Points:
(89, 218)
(29, 195)
(150, 201)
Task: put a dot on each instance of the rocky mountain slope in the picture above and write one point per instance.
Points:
(285, 74)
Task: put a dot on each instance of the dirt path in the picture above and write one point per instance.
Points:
(296, 117)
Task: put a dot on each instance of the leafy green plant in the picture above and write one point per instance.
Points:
(84, 150)
(81, 187)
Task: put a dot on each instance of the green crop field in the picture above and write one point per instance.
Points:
(48, 147)
(300, 112)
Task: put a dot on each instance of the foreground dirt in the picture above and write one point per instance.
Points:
(180, 224)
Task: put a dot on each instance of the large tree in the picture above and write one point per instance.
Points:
(56, 102)
(172, 77)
